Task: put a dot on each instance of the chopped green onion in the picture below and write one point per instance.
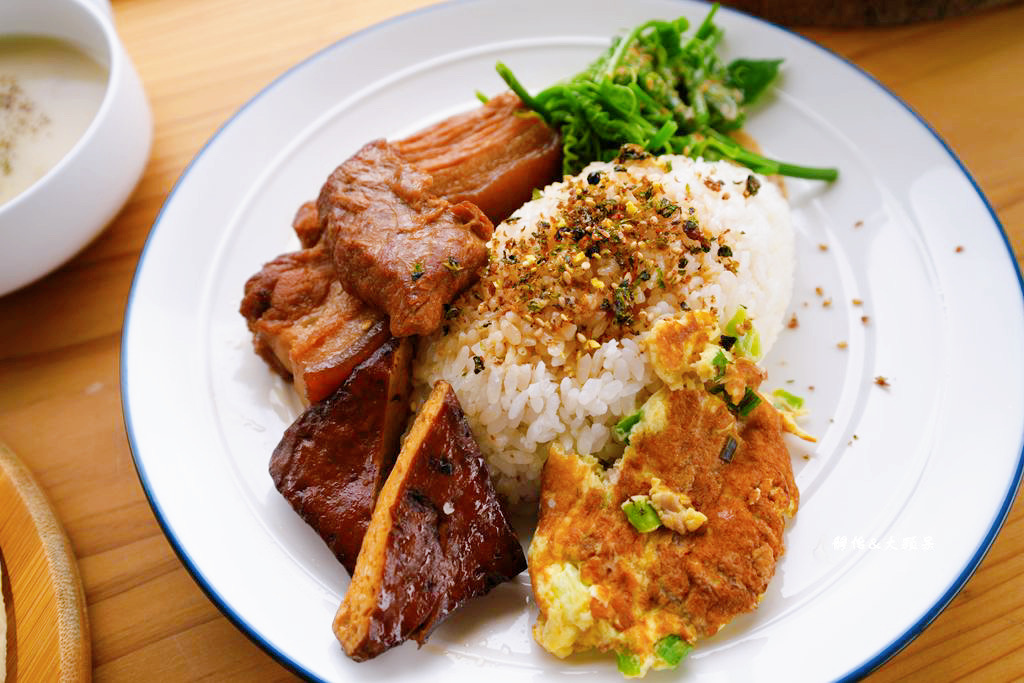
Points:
(748, 344)
(628, 664)
(747, 404)
(728, 449)
(641, 514)
(737, 319)
(622, 428)
(787, 400)
(719, 362)
(671, 649)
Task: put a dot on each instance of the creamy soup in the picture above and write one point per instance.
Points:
(49, 93)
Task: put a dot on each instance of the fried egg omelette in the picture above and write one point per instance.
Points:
(712, 465)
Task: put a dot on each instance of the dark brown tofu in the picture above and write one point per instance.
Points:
(438, 537)
(333, 459)
(493, 156)
(306, 326)
(395, 244)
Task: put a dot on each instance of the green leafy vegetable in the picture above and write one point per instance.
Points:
(663, 90)
(752, 76)
(641, 514)
(671, 649)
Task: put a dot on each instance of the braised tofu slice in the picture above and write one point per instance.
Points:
(396, 245)
(493, 155)
(438, 537)
(333, 459)
(306, 326)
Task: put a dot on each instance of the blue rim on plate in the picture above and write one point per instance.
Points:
(864, 669)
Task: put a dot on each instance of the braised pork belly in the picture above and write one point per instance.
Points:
(306, 326)
(493, 156)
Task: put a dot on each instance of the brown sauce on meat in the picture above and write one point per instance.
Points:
(395, 244)
(306, 326)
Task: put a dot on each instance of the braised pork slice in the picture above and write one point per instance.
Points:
(438, 537)
(306, 326)
(333, 459)
(493, 156)
(307, 225)
(395, 244)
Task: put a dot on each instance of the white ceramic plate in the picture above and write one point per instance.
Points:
(901, 496)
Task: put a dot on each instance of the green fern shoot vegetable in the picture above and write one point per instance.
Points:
(663, 90)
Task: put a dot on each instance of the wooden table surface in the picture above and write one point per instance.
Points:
(200, 60)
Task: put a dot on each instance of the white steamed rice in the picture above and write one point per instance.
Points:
(539, 385)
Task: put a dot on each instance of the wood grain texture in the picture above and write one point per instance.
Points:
(48, 629)
(200, 60)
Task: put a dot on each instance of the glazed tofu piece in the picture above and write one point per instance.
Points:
(395, 244)
(438, 537)
(306, 326)
(333, 459)
(493, 156)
